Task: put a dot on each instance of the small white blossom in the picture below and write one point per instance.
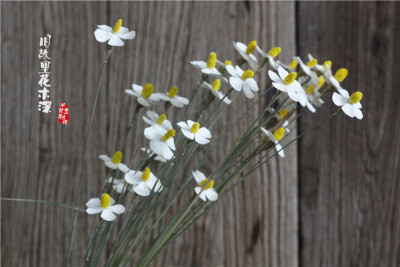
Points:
(161, 141)
(160, 121)
(205, 190)
(145, 94)
(242, 80)
(276, 137)
(150, 154)
(143, 182)
(173, 98)
(114, 162)
(209, 66)
(287, 83)
(193, 131)
(214, 88)
(246, 53)
(271, 55)
(118, 184)
(307, 68)
(350, 105)
(105, 206)
(114, 35)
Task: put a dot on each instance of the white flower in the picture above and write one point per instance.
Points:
(150, 153)
(114, 162)
(113, 35)
(287, 83)
(153, 119)
(209, 66)
(118, 184)
(105, 206)
(280, 115)
(313, 95)
(276, 137)
(274, 52)
(246, 53)
(307, 68)
(214, 88)
(339, 76)
(176, 100)
(161, 141)
(292, 66)
(351, 105)
(145, 95)
(322, 68)
(242, 80)
(143, 182)
(193, 131)
(206, 185)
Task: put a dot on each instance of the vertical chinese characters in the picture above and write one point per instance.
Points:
(44, 75)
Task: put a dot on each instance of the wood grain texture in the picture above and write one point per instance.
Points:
(255, 225)
(349, 170)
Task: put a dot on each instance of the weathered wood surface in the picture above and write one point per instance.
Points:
(256, 225)
(349, 170)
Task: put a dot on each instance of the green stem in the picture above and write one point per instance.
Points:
(77, 199)
(43, 202)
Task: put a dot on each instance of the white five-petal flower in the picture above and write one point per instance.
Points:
(193, 131)
(205, 190)
(114, 35)
(350, 105)
(307, 68)
(145, 94)
(173, 98)
(272, 53)
(143, 182)
(161, 141)
(276, 137)
(114, 162)
(118, 185)
(105, 206)
(214, 88)
(246, 53)
(153, 119)
(209, 66)
(286, 82)
(242, 80)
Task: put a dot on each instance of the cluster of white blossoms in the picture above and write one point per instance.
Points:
(303, 83)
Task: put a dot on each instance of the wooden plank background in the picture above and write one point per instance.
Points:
(338, 207)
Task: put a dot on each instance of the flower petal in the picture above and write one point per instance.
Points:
(142, 189)
(122, 167)
(110, 165)
(107, 215)
(129, 36)
(282, 73)
(211, 194)
(348, 110)
(199, 64)
(93, 203)
(118, 209)
(203, 131)
(338, 99)
(94, 210)
(236, 83)
(115, 41)
(105, 158)
(201, 140)
(102, 36)
(188, 134)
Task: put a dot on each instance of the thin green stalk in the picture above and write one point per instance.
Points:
(77, 199)
(44, 202)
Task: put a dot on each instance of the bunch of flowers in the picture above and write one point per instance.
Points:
(144, 192)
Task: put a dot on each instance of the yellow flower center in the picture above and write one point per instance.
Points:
(216, 84)
(228, 62)
(117, 26)
(292, 65)
(146, 174)
(278, 134)
(321, 81)
(275, 51)
(290, 78)
(212, 60)
(341, 74)
(117, 157)
(283, 113)
(173, 92)
(168, 135)
(329, 63)
(161, 119)
(356, 97)
(105, 200)
(209, 185)
(312, 63)
(250, 47)
(148, 90)
(310, 89)
(247, 74)
(195, 128)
